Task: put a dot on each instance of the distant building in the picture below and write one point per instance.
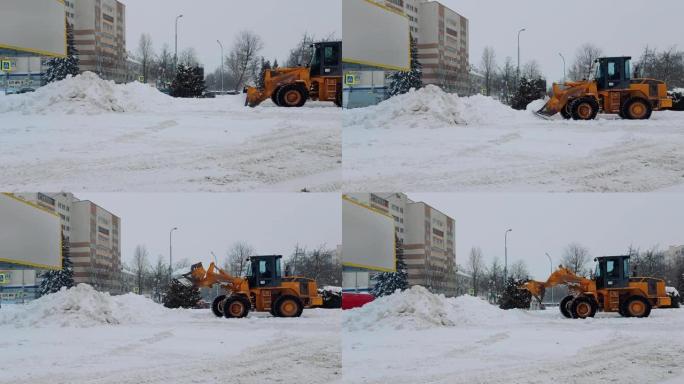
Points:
(94, 238)
(100, 36)
(428, 238)
(443, 42)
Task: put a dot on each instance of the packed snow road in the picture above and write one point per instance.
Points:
(128, 339)
(87, 134)
(465, 340)
(431, 141)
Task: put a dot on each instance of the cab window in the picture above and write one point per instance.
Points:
(330, 56)
(613, 71)
(611, 268)
(626, 267)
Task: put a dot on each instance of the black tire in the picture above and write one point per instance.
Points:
(292, 96)
(583, 307)
(637, 108)
(236, 307)
(217, 305)
(564, 306)
(274, 96)
(288, 306)
(584, 108)
(565, 112)
(633, 303)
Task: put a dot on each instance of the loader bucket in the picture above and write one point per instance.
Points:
(554, 104)
(253, 97)
(191, 278)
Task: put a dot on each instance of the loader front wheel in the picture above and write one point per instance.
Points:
(584, 108)
(583, 307)
(288, 306)
(217, 305)
(292, 95)
(564, 306)
(274, 96)
(565, 112)
(235, 307)
(637, 109)
(636, 306)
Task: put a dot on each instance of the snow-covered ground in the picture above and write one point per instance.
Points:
(87, 134)
(432, 141)
(416, 337)
(87, 337)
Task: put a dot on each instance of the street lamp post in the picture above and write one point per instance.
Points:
(219, 42)
(171, 252)
(551, 269)
(564, 73)
(175, 55)
(519, 32)
(506, 254)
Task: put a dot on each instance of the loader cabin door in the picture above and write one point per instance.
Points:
(327, 59)
(613, 73)
(612, 272)
(266, 272)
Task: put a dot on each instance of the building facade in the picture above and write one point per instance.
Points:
(442, 37)
(428, 237)
(100, 36)
(93, 234)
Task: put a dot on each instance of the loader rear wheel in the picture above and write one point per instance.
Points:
(637, 108)
(288, 306)
(217, 305)
(564, 307)
(636, 306)
(235, 307)
(584, 108)
(583, 307)
(292, 95)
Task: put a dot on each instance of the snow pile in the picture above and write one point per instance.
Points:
(431, 107)
(417, 309)
(87, 94)
(83, 306)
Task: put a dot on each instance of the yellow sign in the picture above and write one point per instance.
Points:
(4, 278)
(141, 79)
(6, 66)
(350, 78)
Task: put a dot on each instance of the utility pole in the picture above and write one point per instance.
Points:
(551, 269)
(506, 255)
(519, 32)
(175, 55)
(219, 42)
(564, 73)
(171, 252)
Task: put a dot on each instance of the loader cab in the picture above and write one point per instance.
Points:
(326, 59)
(612, 272)
(613, 72)
(264, 271)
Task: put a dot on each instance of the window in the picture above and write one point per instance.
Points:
(611, 269)
(613, 71)
(331, 56)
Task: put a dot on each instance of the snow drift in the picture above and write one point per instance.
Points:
(83, 306)
(417, 309)
(432, 107)
(86, 94)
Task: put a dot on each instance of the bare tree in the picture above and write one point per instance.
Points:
(584, 60)
(160, 278)
(238, 258)
(531, 70)
(518, 270)
(488, 67)
(145, 54)
(188, 57)
(165, 64)
(244, 56)
(575, 257)
(507, 80)
(140, 267)
(495, 279)
(476, 268)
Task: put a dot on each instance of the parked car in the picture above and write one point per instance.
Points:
(26, 90)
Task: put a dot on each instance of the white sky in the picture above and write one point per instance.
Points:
(620, 28)
(272, 223)
(279, 23)
(605, 223)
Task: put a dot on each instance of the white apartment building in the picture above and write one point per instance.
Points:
(443, 42)
(428, 238)
(93, 234)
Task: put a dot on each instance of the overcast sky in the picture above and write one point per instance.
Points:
(619, 27)
(279, 23)
(272, 223)
(605, 223)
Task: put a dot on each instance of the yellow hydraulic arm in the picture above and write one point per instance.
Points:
(562, 276)
(199, 277)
